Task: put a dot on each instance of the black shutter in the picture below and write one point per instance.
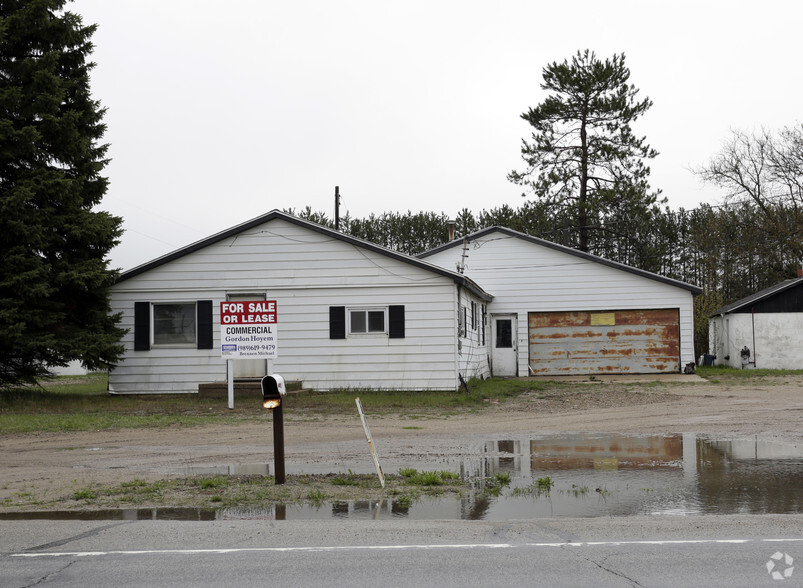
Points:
(396, 322)
(337, 322)
(205, 331)
(142, 326)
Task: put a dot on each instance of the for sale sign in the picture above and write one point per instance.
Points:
(248, 330)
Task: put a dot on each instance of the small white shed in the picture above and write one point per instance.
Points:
(768, 325)
(558, 311)
(351, 314)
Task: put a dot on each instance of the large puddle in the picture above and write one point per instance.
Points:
(577, 475)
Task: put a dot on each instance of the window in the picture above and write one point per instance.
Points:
(180, 324)
(504, 334)
(364, 321)
(387, 320)
(174, 324)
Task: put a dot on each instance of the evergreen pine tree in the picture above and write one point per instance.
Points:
(583, 160)
(54, 272)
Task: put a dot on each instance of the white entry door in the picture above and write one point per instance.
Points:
(505, 348)
(249, 368)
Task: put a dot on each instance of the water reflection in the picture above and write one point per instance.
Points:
(615, 475)
(588, 476)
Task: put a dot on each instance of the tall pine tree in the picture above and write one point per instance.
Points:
(54, 271)
(583, 160)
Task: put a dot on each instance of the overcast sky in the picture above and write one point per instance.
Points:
(222, 111)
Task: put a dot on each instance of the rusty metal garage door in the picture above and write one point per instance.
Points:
(611, 342)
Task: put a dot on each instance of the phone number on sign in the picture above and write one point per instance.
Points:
(256, 347)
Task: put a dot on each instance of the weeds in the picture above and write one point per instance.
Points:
(215, 482)
(84, 494)
(317, 497)
(494, 485)
(348, 480)
(540, 487)
(545, 483)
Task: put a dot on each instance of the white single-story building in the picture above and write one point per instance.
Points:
(764, 330)
(558, 311)
(353, 315)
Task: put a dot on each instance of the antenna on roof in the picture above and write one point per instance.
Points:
(461, 267)
(337, 208)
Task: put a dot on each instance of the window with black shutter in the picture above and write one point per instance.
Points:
(396, 322)
(142, 326)
(205, 326)
(337, 322)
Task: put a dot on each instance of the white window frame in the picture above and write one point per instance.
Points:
(366, 310)
(189, 345)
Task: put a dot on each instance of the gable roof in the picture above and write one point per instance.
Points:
(695, 290)
(759, 296)
(459, 279)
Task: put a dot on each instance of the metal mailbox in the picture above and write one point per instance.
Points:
(273, 391)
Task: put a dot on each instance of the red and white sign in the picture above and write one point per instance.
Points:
(248, 313)
(249, 329)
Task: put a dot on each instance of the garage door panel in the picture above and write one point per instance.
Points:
(652, 317)
(599, 365)
(559, 319)
(584, 349)
(612, 334)
(640, 341)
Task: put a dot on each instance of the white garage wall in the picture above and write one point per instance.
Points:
(524, 276)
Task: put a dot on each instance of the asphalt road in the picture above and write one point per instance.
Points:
(626, 551)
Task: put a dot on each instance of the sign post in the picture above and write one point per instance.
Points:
(248, 330)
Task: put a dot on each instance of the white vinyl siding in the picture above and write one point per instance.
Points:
(472, 350)
(306, 272)
(527, 277)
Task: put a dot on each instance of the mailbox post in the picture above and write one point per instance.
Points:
(273, 392)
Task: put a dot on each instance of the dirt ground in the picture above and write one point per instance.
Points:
(50, 464)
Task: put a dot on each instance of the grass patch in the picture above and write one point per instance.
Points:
(213, 483)
(84, 494)
(726, 372)
(416, 478)
(418, 404)
(540, 487)
(493, 486)
(240, 492)
(350, 479)
(82, 403)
